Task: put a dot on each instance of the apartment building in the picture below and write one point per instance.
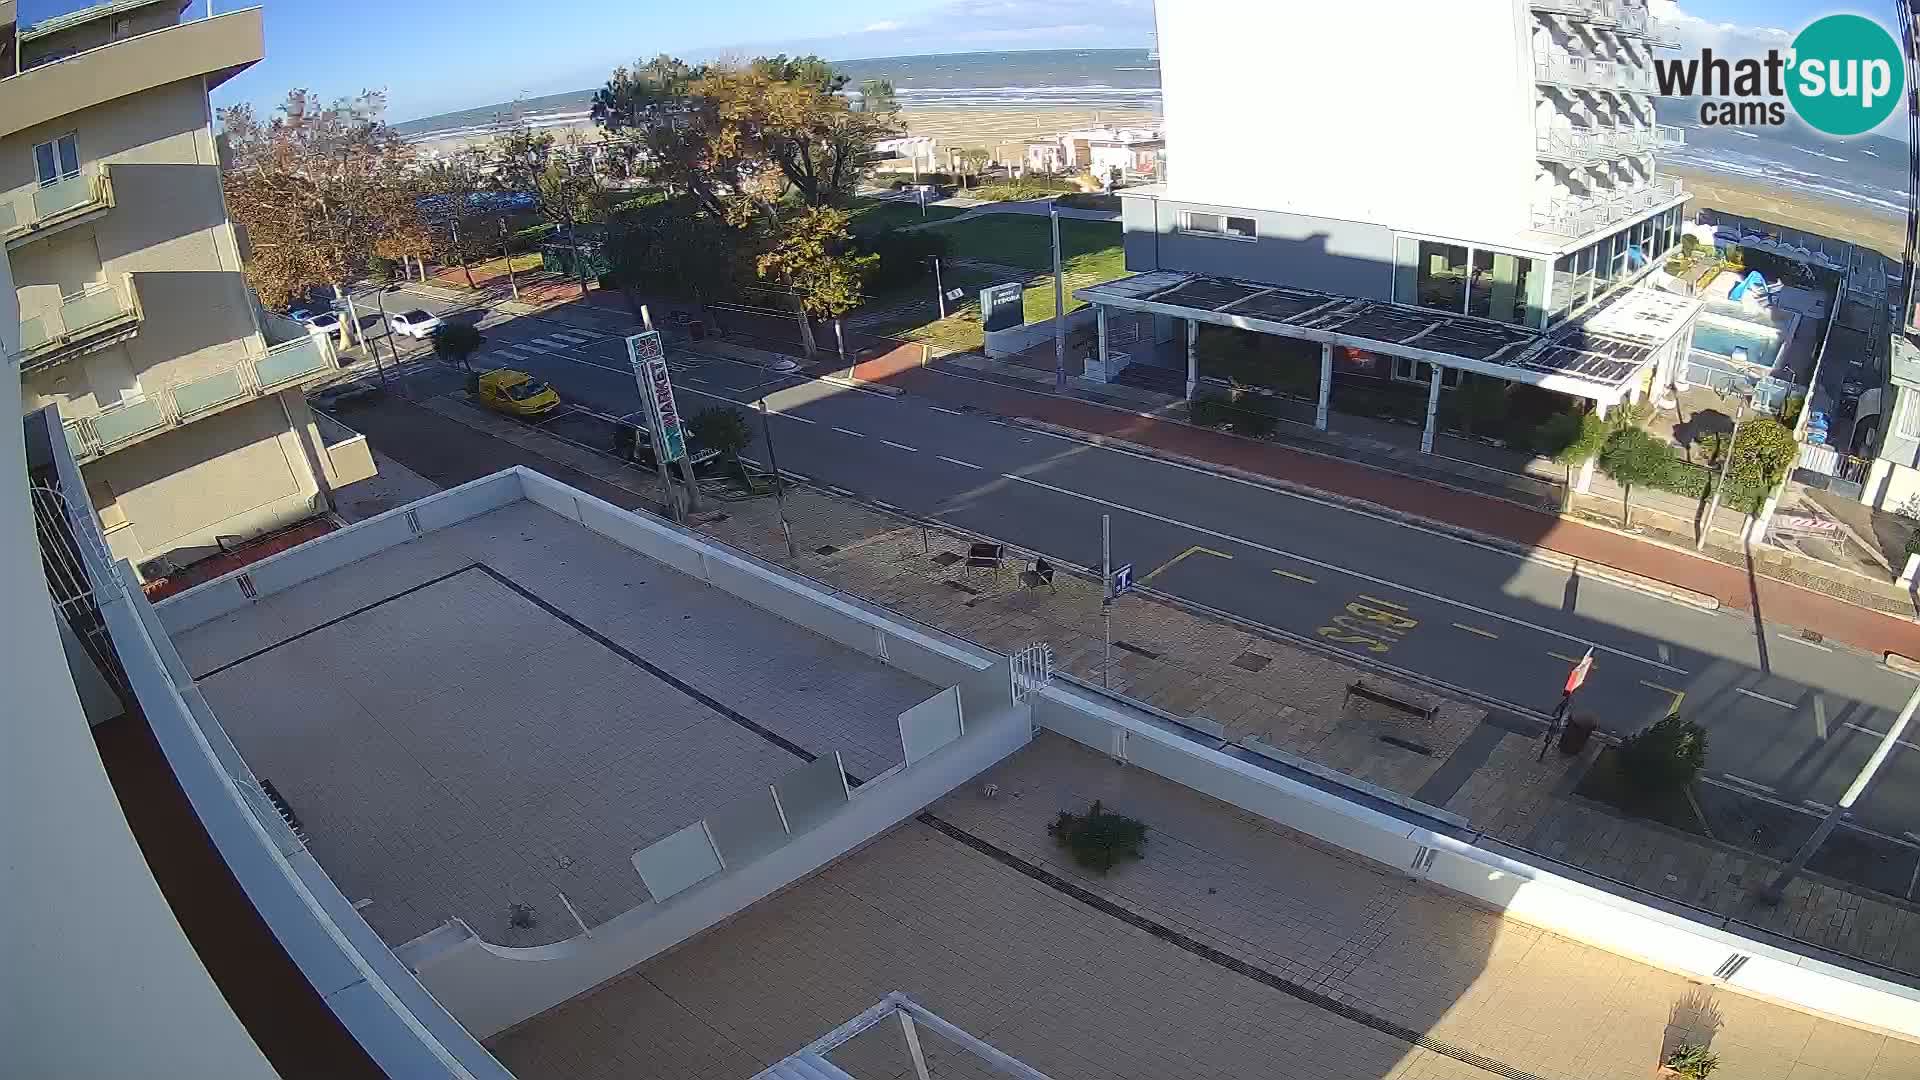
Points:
(135, 319)
(1494, 162)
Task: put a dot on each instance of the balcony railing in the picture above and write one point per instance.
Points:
(28, 215)
(1582, 215)
(1587, 145)
(1612, 14)
(1592, 73)
(49, 337)
(182, 403)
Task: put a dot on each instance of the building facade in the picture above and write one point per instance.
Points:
(135, 319)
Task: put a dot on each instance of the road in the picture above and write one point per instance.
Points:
(1791, 721)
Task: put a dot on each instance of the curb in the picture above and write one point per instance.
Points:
(1623, 578)
(1905, 665)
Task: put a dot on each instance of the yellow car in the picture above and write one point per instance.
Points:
(516, 393)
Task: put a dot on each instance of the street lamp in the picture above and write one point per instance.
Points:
(1059, 304)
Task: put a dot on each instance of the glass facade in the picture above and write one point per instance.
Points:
(1473, 281)
(1442, 281)
(1583, 276)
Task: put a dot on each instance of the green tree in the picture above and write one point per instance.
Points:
(456, 217)
(789, 114)
(1570, 439)
(722, 428)
(812, 256)
(458, 341)
(1665, 756)
(1762, 453)
(1631, 456)
(877, 95)
(682, 253)
(973, 161)
(531, 163)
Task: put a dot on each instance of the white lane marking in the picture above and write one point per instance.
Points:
(957, 461)
(1744, 782)
(1817, 805)
(689, 380)
(1819, 716)
(573, 337)
(901, 446)
(850, 431)
(1798, 640)
(793, 416)
(949, 412)
(1765, 698)
(1230, 538)
(1865, 730)
(548, 343)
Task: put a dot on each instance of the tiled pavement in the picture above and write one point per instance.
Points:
(1233, 949)
(460, 748)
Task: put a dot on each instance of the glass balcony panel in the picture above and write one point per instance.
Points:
(205, 393)
(65, 195)
(33, 333)
(126, 421)
(91, 309)
(293, 360)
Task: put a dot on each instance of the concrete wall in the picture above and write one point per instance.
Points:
(1412, 114)
(239, 473)
(1020, 338)
(1347, 257)
(344, 454)
(168, 228)
(1558, 903)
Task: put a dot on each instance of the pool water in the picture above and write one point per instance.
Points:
(1721, 338)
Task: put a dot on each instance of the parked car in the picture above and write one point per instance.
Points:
(515, 393)
(325, 324)
(632, 440)
(416, 324)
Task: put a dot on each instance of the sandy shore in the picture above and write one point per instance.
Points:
(1012, 128)
(1885, 233)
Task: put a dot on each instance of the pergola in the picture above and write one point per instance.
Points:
(1602, 356)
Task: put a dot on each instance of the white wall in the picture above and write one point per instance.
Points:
(1016, 339)
(1407, 113)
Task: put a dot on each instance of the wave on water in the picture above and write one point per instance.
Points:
(1743, 134)
(1776, 174)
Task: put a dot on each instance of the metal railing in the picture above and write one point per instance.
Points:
(184, 402)
(1625, 18)
(23, 212)
(1593, 73)
(1580, 215)
(1580, 145)
(76, 319)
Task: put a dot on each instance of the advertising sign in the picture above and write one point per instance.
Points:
(1000, 306)
(649, 361)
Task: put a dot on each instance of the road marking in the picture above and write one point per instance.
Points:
(1678, 695)
(901, 446)
(850, 431)
(1168, 565)
(1819, 716)
(1864, 729)
(1476, 630)
(1564, 656)
(1296, 577)
(1382, 603)
(794, 416)
(949, 412)
(957, 461)
(1765, 698)
(1461, 604)
(691, 381)
(1744, 782)
(1817, 805)
(1798, 640)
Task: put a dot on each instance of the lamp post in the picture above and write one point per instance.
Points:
(779, 484)
(1059, 304)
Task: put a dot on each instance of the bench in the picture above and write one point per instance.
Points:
(1359, 689)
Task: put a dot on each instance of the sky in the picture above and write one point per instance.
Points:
(434, 56)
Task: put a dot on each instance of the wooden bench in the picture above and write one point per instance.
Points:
(1359, 689)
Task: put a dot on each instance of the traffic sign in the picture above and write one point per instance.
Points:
(1578, 675)
(1120, 582)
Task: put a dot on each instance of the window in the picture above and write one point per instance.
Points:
(1441, 281)
(1906, 414)
(1229, 226)
(57, 160)
(1408, 370)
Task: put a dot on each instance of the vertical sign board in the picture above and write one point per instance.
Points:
(649, 361)
(1001, 307)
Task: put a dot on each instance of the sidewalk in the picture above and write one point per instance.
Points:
(1454, 509)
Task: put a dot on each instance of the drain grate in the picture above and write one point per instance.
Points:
(1252, 661)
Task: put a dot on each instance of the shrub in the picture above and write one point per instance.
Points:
(903, 257)
(457, 341)
(1664, 756)
(1693, 1062)
(1100, 838)
(1913, 542)
(723, 428)
(1242, 416)
(1689, 244)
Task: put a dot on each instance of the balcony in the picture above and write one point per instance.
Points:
(1589, 73)
(94, 319)
(215, 49)
(178, 404)
(1585, 145)
(1631, 21)
(30, 215)
(1580, 216)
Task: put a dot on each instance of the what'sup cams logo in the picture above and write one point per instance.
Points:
(1843, 76)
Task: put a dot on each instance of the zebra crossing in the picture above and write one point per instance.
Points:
(519, 351)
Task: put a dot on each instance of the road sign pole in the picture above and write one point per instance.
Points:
(1059, 305)
(1106, 601)
(940, 290)
(779, 484)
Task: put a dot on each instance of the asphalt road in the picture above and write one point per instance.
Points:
(1791, 721)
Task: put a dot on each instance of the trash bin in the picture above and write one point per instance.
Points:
(1573, 737)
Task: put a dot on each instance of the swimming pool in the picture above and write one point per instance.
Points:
(1722, 336)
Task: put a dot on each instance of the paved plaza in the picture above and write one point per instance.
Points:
(505, 710)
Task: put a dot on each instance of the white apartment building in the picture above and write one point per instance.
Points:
(1495, 161)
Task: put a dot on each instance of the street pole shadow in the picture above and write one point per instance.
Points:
(1570, 596)
(1753, 594)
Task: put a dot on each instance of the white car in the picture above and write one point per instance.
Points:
(416, 324)
(324, 324)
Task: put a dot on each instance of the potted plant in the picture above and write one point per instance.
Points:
(1690, 1062)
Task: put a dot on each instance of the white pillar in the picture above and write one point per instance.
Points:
(1755, 529)
(1326, 387)
(1433, 408)
(1100, 315)
(1193, 357)
(1586, 470)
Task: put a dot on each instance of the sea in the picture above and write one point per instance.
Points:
(1868, 172)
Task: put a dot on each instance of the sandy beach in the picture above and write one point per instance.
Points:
(1010, 129)
(1885, 233)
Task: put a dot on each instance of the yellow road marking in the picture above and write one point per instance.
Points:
(1382, 603)
(1564, 656)
(1678, 695)
(1476, 630)
(1168, 565)
(1294, 576)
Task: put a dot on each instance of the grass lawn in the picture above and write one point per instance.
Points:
(959, 330)
(1025, 240)
(874, 216)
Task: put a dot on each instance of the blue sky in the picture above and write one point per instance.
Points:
(438, 55)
